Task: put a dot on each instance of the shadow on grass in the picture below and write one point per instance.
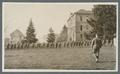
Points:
(105, 61)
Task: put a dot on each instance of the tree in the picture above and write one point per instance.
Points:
(51, 36)
(104, 21)
(63, 35)
(30, 34)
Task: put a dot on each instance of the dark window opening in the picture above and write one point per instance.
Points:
(81, 27)
(81, 18)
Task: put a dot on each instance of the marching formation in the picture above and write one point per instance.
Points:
(49, 45)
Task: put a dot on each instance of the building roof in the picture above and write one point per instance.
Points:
(81, 11)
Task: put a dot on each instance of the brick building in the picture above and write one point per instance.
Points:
(77, 25)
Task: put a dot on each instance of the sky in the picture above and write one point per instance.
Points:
(43, 15)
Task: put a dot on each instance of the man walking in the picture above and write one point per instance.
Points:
(96, 45)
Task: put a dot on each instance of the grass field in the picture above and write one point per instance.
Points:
(60, 58)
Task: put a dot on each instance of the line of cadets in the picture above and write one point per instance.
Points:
(48, 45)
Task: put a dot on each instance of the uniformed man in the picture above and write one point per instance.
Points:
(96, 45)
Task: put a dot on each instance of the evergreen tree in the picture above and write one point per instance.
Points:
(30, 34)
(51, 36)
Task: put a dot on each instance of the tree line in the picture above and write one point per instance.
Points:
(103, 23)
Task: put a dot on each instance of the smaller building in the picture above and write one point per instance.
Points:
(16, 36)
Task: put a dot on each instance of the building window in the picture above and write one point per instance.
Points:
(86, 20)
(81, 18)
(86, 27)
(81, 27)
(70, 39)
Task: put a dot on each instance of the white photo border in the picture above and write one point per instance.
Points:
(48, 70)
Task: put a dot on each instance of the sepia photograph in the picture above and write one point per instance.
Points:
(60, 37)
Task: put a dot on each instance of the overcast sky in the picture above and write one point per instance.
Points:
(44, 16)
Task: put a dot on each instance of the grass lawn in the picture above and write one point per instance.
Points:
(60, 58)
